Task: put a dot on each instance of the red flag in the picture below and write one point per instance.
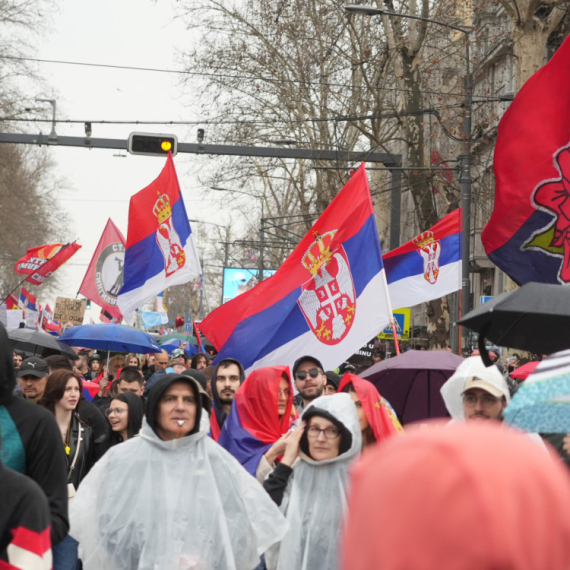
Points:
(104, 277)
(105, 317)
(198, 339)
(40, 262)
(12, 302)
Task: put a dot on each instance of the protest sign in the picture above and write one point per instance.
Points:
(69, 310)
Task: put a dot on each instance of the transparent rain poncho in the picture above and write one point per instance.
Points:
(184, 504)
(315, 501)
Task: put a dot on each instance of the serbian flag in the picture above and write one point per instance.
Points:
(428, 266)
(327, 299)
(12, 302)
(379, 413)
(27, 300)
(528, 235)
(104, 277)
(40, 262)
(255, 421)
(160, 250)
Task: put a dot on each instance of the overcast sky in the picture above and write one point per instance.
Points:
(138, 33)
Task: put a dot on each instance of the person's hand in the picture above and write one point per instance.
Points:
(292, 445)
(103, 385)
(566, 444)
(277, 449)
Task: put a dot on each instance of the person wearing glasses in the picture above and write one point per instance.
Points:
(125, 414)
(310, 484)
(310, 381)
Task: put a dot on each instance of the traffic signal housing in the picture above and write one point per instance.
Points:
(152, 144)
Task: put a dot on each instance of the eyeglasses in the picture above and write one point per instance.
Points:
(313, 373)
(486, 400)
(117, 411)
(330, 432)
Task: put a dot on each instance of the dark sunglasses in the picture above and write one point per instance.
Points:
(313, 373)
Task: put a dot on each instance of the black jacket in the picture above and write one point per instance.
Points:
(30, 443)
(87, 453)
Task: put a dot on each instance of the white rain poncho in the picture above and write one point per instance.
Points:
(471, 367)
(314, 502)
(184, 504)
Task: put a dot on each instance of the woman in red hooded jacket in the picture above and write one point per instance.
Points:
(377, 418)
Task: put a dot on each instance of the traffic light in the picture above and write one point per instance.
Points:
(152, 144)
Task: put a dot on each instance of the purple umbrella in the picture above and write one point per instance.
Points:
(411, 382)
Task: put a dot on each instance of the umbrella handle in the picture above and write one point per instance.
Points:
(483, 349)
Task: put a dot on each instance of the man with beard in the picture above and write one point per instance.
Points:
(227, 377)
(310, 381)
(18, 359)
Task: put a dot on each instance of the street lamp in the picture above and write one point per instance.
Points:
(465, 178)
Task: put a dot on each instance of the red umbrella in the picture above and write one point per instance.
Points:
(523, 371)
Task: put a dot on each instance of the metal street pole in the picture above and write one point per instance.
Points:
(465, 177)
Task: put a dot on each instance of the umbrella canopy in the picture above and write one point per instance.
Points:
(535, 317)
(107, 336)
(36, 342)
(522, 372)
(542, 403)
(412, 381)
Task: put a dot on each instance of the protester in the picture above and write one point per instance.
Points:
(115, 364)
(199, 361)
(376, 418)
(476, 392)
(131, 380)
(18, 359)
(227, 377)
(461, 497)
(378, 355)
(173, 498)
(333, 381)
(310, 381)
(256, 428)
(98, 368)
(24, 522)
(103, 398)
(178, 354)
(33, 375)
(81, 366)
(88, 411)
(61, 397)
(125, 415)
(312, 490)
(34, 447)
(160, 363)
(133, 360)
(175, 366)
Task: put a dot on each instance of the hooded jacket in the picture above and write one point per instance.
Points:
(253, 424)
(314, 502)
(460, 497)
(218, 415)
(30, 442)
(200, 509)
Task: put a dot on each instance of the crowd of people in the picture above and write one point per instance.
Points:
(172, 463)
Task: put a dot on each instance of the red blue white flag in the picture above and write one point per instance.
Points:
(428, 266)
(160, 250)
(27, 300)
(327, 299)
(528, 235)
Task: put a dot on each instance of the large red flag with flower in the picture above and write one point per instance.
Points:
(105, 274)
(528, 235)
(40, 262)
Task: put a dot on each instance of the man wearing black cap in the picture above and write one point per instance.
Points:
(333, 382)
(310, 381)
(33, 377)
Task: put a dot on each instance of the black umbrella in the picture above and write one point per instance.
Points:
(36, 342)
(535, 317)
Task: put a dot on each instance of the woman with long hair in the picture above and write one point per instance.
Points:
(133, 359)
(61, 397)
(125, 414)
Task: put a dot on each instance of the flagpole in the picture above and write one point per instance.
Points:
(18, 285)
(392, 320)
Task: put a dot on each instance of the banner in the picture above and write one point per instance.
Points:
(105, 274)
(69, 310)
(40, 262)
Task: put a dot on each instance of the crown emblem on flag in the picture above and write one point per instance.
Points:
(162, 209)
(423, 239)
(318, 252)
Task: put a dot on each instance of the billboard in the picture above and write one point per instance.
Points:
(238, 280)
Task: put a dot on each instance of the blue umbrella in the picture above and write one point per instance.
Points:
(107, 336)
(170, 345)
(542, 403)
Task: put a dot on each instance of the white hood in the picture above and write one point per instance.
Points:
(451, 391)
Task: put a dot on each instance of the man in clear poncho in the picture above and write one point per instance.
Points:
(172, 498)
(312, 491)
